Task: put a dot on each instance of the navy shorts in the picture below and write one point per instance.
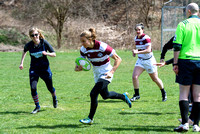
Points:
(42, 73)
(189, 72)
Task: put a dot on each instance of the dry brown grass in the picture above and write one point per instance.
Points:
(112, 35)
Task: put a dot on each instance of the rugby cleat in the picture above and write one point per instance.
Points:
(135, 97)
(196, 128)
(55, 103)
(127, 100)
(87, 121)
(164, 97)
(182, 128)
(37, 109)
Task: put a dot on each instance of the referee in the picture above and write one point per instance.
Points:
(186, 65)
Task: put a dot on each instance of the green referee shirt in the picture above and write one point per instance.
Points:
(187, 38)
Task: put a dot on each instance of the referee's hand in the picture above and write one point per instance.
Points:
(175, 69)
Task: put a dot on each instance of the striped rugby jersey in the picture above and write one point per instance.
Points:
(141, 44)
(99, 54)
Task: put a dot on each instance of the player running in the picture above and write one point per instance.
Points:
(39, 67)
(98, 53)
(144, 62)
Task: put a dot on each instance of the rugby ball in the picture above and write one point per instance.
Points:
(84, 63)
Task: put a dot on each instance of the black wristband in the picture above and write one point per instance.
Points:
(175, 64)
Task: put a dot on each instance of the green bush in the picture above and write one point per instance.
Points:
(12, 37)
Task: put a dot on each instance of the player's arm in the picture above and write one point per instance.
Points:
(161, 64)
(177, 48)
(115, 66)
(177, 44)
(147, 50)
(21, 66)
(51, 52)
(167, 46)
(175, 64)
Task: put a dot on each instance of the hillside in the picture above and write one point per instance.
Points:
(114, 21)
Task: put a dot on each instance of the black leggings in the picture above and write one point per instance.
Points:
(45, 75)
(101, 87)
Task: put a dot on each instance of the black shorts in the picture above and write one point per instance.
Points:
(189, 72)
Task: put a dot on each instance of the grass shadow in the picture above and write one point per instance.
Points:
(143, 128)
(150, 113)
(16, 112)
(108, 101)
(53, 126)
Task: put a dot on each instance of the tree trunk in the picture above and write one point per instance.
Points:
(59, 38)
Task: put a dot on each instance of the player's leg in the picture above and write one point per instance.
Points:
(33, 77)
(46, 76)
(135, 79)
(94, 103)
(158, 81)
(184, 107)
(196, 104)
(112, 95)
(185, 80)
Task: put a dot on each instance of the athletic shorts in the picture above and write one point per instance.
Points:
(188, 72)
(148, 65)
(99, 72)
(44, 74)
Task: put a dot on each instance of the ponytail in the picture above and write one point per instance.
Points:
(139, 24)
(90, 34)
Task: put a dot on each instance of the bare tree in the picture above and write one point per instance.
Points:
(56, 14)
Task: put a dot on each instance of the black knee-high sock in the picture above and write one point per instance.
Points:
(136, 92)
(196, 111)
(192, 114)
(184, 109)
(163, 91)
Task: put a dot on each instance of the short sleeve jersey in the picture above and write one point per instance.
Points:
(141, 44)
(188, 35)
(38, 60)
(99, 54)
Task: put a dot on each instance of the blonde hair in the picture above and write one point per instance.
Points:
(41, 36)
(89, 34)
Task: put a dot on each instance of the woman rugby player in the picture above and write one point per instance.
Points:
(144, 62)
(98, 54)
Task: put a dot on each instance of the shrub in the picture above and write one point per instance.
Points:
(11, 36)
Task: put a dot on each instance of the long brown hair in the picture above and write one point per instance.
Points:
(41, 36)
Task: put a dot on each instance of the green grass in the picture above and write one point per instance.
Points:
(147, 115)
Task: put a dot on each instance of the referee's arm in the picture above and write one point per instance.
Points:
(177, 48)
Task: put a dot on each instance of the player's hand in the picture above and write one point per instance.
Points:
(162, 60)
(160, 64)
(44, 52)
(109, 75)
(78, 68)
(134, 51)
(21, 67)
(175, 69)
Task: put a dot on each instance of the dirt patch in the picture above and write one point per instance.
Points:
(9, 48)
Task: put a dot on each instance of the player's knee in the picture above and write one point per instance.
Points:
(155, 80)
(105, 97)
(135, 77)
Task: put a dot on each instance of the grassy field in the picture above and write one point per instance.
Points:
(147, 115)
